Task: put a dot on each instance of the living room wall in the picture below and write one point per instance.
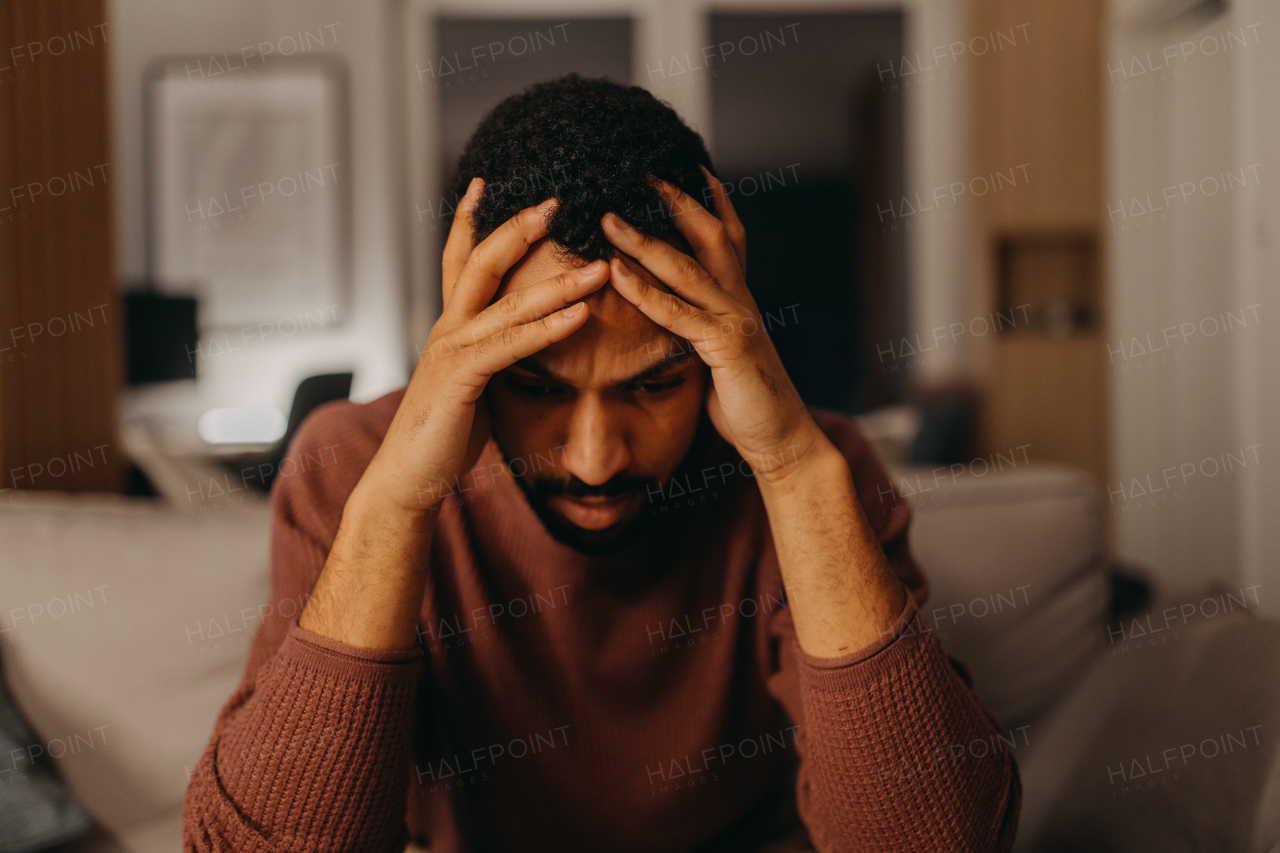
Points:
(1191, 232)
(372, 340)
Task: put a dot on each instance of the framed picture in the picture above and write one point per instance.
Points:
(249, 188)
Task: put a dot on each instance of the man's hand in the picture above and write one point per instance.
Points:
(750, 399)
(441, 426)
(371, 588)
(843, 592)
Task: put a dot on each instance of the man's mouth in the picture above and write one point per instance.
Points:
(597, 512)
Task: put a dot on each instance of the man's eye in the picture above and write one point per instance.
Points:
(531, 389)
(659, 387)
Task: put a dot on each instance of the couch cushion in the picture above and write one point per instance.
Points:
(1018, 579)
(125, 628)
(1169, 742)
(35, 811)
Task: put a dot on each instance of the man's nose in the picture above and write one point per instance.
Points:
(596, 444)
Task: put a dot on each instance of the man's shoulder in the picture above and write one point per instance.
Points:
(326, 458)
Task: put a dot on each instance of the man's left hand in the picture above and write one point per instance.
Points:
(750, 399)
(826, 547)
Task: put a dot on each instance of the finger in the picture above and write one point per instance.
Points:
(672, 267)
(728, 216)
(503, 349)
(706, 234)
(461, 239)
(667, 310)
(535, 302)
(489, 261)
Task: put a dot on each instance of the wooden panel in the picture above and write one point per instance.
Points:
(1048, 396)
(60, 331)
(1038, 105)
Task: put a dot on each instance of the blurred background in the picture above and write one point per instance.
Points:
(1031, 245)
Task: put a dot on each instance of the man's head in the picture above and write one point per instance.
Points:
(618, 403)
(592, 144)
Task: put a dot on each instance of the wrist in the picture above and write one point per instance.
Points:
(808, 458)
(372, 504)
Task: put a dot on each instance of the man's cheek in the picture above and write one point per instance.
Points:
(662, 444)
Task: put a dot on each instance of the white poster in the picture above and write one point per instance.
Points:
(249, 189)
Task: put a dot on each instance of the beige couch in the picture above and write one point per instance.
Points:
(134, 663)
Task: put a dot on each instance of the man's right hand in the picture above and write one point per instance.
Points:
(441, 426)
(370, 590)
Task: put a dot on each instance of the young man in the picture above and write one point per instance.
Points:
(545, 582)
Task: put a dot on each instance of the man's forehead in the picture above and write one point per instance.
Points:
(616, 342)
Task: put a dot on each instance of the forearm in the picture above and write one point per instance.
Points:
(369, 593)
(842, 591)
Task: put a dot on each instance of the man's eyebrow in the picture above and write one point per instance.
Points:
(662, 365)
(539, 369)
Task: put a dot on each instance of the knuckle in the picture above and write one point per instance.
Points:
(477, 259)
(681, 308)
(565, 284)
(530, 219)
(507, 338)
(724, 242)
(690, 268)
(511, 305)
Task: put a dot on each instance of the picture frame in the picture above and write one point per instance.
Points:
(248, 188)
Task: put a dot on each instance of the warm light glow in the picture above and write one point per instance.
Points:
(256, 423)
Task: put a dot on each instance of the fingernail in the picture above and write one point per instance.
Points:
(473, 188)
(574, 310)
(595, 267)
(548, 205)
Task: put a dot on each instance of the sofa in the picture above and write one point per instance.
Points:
(162, 597)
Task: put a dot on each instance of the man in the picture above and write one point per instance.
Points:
(547, 579)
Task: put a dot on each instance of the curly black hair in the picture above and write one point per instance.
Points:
(590, 143)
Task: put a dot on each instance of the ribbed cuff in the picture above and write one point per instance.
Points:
(337, 659)
(872, 663)
(895, 631)
(319, 750)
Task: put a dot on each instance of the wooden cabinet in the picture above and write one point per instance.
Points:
(1038, 105)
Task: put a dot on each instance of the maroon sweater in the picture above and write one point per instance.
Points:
(652, 700)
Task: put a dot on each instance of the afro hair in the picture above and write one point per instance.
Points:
(590, 143)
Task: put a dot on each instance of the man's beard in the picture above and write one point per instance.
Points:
(540, 490)
(624, 534)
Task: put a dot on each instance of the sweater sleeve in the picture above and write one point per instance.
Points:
(311, 751)
(896, 751)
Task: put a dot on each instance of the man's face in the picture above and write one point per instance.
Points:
(615, 405)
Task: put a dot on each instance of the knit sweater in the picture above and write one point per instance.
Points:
(650, 700)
